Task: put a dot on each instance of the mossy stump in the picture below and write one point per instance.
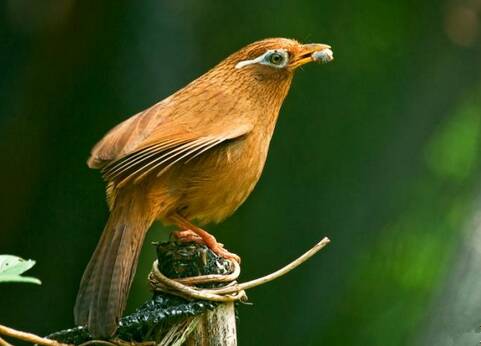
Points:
(166, 319)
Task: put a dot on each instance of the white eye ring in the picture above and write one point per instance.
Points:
(266, 59)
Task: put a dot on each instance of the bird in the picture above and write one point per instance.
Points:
(189, 160)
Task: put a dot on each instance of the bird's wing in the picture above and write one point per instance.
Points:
(126, 136)
(158, 154)
(178, 119)
(174, 130)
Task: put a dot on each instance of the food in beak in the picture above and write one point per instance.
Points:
(324, 56)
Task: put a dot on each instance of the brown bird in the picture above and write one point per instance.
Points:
(196, 155)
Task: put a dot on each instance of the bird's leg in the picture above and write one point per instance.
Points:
(186, 236)
(208, 238)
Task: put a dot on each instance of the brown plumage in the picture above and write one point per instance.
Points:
(196, 155)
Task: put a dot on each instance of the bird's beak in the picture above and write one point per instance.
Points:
(311, 52)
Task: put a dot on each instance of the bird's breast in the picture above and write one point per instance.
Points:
(214, 185)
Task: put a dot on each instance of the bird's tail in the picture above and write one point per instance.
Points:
(107, 279)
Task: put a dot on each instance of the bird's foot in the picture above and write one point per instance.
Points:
(220, 251)
(215, 246)
(192, 232)
(187, 236)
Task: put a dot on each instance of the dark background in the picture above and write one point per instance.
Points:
(379, 150)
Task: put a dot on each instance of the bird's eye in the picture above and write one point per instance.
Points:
(276, 58)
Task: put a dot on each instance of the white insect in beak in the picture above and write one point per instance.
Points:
(324, 56)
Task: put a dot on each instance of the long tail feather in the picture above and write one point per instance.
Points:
(107, 279)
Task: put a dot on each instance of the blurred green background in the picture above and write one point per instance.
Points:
(379, 150)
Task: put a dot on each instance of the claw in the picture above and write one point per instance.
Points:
(187, 236)
(189, 230)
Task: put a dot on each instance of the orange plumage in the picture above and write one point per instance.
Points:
(196, 155)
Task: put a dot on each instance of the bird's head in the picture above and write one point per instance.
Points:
(276, 58)
(259, 74)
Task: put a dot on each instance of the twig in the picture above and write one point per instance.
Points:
(196, 280)
(260, 281)
(97, 342)
(227, 293)
(4, 343)
(29, 337)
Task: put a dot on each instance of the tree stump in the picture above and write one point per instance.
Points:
(166, 319)
(170, 320)
(214, 327)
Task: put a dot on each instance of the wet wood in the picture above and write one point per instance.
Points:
(215, 328)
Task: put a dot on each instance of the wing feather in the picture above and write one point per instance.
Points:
(175, 157)
(169, 133)
(161, 156)
(137, 158)
(154, 162)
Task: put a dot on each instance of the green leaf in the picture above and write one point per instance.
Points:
(11, 268)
